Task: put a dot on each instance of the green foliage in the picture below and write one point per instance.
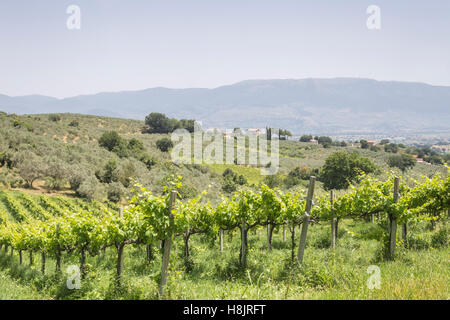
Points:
(391, 147)
(30, 167)
(229, 186)
(76, 176)
(164, 144)
(283, 133)
(111, 140)
(160, 123)
(305, 138)
(126, 173)
(109, 173)
(230, 175)
(54, 117)
(325, 141)
(341, 169)
(132, 148)
(402, 161)
(440, 239)
(74, 123)
(302, 173)
(298, 174)
(364, 144)
(91, 189)
(6, 159)
(434, 159)
(115, 192)
(22, 124)
(147, 220)
(56, 172)
(147, 160)
(273, 180)
(135, 145)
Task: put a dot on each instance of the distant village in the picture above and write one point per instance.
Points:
(440, 148)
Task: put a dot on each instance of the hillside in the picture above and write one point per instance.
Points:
(75, 151)
(350, 105)
(69, 143)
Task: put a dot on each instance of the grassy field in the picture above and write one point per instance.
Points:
(252, 175)
(418, 272)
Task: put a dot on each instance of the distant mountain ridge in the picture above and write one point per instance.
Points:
(333, 106)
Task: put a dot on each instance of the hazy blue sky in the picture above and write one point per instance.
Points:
(137, 44)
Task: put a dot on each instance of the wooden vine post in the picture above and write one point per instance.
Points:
(293, 242)
(243, 255)
(58, 250)
(120, 247)
(336, 229)
(221, 239)
(306, 219)
(43, 262)
(333, 228)
(270, 228)
(83, 262)
(187, 235)
(404, 232)
(393, 221)
(167, 245)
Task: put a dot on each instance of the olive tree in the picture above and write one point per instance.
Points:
(30, 167)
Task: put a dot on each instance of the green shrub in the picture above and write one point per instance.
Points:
(15, 181)
(54, 117)
(440, 238)
(110, 140)
(76, 176)
(187, 191)
(91, 189)
(109, 173)
(229, 185)
(305, 138)
(273, 180)
(22, 124)
(164, 144)
(55, 172)
(231, 175)
(147, 160)
(74, 123)
(115, 192)
(417, 242)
